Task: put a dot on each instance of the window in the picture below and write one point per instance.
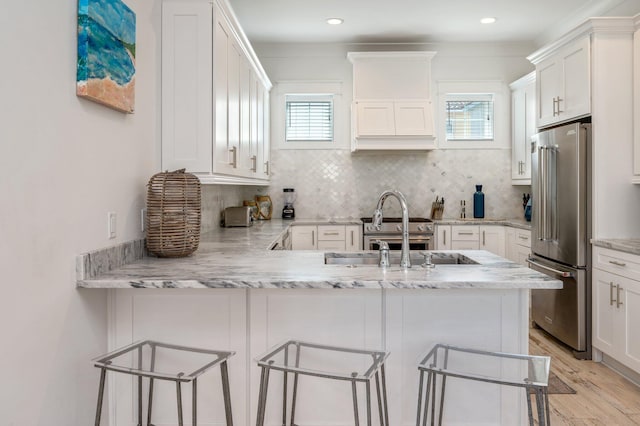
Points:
(473, 114)
(309, 118)
(469, 117)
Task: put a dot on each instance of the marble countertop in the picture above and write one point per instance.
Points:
(514, 223)
(626, 245)
(238, 258)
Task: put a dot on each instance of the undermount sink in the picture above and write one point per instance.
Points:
(417, 258)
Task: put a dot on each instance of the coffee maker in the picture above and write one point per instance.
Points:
(288, 212)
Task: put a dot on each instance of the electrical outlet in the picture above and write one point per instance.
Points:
(143, 217)
(111, 225)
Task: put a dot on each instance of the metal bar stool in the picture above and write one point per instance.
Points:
(296, 357)
(141, 358)
(526, 371)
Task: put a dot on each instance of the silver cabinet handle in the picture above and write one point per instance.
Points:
(313, 238)
(611, 299)
(522, 237)
(465, 233)
(615, 262)
(266, 168)
(558, 101)
(330, 233)
(484, 240)
(352, 239)
(444, 237)
(234, 155)
(254, 162)
(554, 106)
(618, 302)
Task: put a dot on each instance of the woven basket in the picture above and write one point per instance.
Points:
(173, 214)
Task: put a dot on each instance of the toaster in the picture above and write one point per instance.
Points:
(237, 216)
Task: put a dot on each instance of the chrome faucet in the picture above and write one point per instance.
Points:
(405, 261)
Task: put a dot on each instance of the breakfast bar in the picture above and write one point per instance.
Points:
(234, 294)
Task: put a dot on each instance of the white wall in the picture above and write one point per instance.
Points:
(336, 183)
(64, 163)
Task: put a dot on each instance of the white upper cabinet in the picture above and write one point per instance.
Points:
(213, 96)
(636, 105)
(563, 81)
(392, 107)
(523, 126)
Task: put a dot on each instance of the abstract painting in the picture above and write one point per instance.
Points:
(106, 53)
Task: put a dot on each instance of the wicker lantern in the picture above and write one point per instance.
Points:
(173, 214)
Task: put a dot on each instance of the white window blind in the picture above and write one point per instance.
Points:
(309, 118)
(469, 117)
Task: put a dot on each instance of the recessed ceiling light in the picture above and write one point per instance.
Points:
(487, 20)
(335, 21)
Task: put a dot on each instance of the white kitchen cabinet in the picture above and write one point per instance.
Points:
(443, 237)
(616, 306)
(353, 237)
(523, 126)
(517, 245)
(636, 106)
(326, 237)
(212, 119)
(392, 107)
(465, 237)
(564, 84)
(492, 238)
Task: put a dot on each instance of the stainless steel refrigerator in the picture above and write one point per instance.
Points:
(561, 233)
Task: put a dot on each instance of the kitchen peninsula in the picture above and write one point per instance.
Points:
(233, 294)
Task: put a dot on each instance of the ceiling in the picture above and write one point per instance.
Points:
(405, 21)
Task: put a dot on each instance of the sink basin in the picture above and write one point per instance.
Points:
(417, 258)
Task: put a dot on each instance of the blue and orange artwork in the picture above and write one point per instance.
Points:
(106, 53)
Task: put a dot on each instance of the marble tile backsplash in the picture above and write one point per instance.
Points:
(337, 183)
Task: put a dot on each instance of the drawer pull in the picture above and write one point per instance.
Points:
(617, 263)
(465, 233)
(331, 233)
(522, 237)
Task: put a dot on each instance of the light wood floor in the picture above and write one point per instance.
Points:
(603, 396)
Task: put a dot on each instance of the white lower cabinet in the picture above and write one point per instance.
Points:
(517, 245)
(616, 306)
(465, 237)
(492, 239)
(512, 243)
(326, 237)
(443, 237)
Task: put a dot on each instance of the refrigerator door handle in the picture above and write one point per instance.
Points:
(563, 274)
(542, 194)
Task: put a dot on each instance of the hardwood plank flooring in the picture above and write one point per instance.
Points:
(603, 397)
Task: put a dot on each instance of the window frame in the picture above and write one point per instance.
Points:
(278, 114)
(448, 90)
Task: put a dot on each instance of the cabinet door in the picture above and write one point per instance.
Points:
(523, 120)
(548, 87)
(630, 315)
(510, 244)
(575, 100)
(264, 138)
(224, 150)
(353, 237)
(375, 119)
(413, 118)
(492, 239)
(304, 237)
(604, 310)
(233, 105)
(331, 233)
(443, 237)
(522, 253)
(186, 86)
(331, 245)
(247, 153)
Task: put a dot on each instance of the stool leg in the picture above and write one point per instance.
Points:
(355, 400)
(295, 387)
(140, 387)
(546, 404)
(441, 411)
(262, 398)
(384, 395)
(420, 383)
(153, 366)
(379, 395)
(368, 390)
(179, 395)
(194, 402)
(433, 398)
(540, 407)
(284, 388)
(226, 392)
(103, 373)
(529, 410)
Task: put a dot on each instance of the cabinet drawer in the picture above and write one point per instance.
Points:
(523, 238)
(465, 245)
(331, 245)
(465, 233)
(617, 262)
(331, 233)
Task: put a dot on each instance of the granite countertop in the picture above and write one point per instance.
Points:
(626, 245)
(238, 258)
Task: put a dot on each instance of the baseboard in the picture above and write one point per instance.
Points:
(624, 371)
